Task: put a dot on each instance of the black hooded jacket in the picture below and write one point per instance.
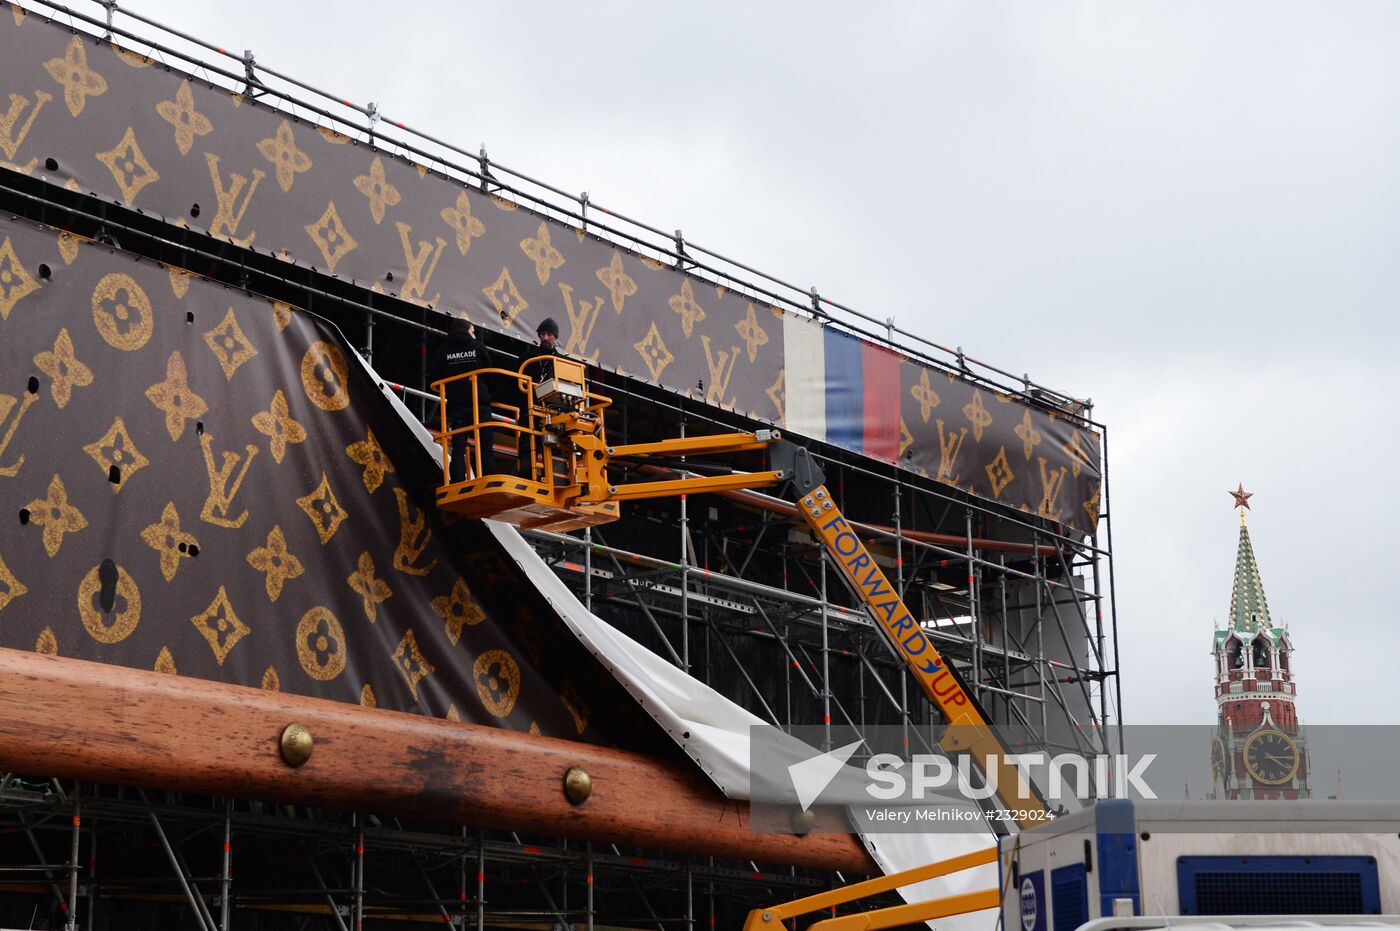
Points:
(461, 353)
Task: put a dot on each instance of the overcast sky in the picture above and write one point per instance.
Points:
(1187, 211)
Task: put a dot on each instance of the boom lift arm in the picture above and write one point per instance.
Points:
(563, 446)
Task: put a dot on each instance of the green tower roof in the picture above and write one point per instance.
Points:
(1249, 609)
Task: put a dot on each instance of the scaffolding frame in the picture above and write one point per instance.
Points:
(1036, 638)
(1011, 668)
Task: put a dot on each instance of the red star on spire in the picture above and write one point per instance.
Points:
(1241, 496)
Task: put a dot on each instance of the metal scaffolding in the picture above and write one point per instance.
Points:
(731, 588)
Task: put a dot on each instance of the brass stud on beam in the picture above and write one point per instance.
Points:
(296, 745)
(578, 785)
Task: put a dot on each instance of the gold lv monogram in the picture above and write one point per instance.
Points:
(10, 140)
(230, 213)
(416, 259)
(1052, 481)
(414, 537)
(582, 322)
(7, 404)
(721, 366)
(221, 494)
(949, 446)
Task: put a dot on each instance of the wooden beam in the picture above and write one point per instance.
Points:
(83, 720)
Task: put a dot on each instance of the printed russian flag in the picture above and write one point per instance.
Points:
(841, 389)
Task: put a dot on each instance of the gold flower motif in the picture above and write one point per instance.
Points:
(1091, 507)
(331, 136)
(219, 625)
(323, 376)
(411, 662)
(271, 682)
(976, 413)
(377, 190)
(685, 304)
(121, 311)
(777, 393)
(367, 698)
(320, 642)
(497, 677)
(128, 166)
(277, 565)
(458, 610)
(542, 252)
(47, 643)
(165, 662)
(179, 281)
(620, 286)
(906, 438)
(68, 245)
(1028, 435)
(654, 352)
(56, 516)
(466, 226)
(752, 333)
(277, 425)
(325, 512)
(281, 150)
(79, 82)
(63, 368)
(999, 473)
(174, 397)
(181, 114)
(281, 314)
(331, 237)
(15, 281)
(369, 454)
(503, 203)
(1078, 455)
(371, 589)
(131, 58)
(573, 702)
(109, 621)
(116, 449)
(229, 345)
(172, 543)
(923, 393)
(10, 587)
(505, 297)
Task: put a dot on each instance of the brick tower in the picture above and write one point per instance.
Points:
(1259, 750)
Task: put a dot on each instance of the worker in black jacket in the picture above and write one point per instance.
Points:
(541, 370)
(461, 353)
(537, 371)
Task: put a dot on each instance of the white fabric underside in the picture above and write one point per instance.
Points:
(712, 730)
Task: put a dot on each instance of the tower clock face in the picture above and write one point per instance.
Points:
(1271, 757)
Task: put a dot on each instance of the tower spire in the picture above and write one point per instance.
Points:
(1249, 609)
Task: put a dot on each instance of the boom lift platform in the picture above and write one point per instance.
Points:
(562, 445)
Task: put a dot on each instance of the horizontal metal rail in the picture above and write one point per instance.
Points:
(487, 172)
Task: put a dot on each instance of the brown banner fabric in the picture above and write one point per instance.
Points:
(134, 131)
(202, 482)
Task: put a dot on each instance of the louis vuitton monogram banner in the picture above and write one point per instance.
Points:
(203, 482)
(137, 132)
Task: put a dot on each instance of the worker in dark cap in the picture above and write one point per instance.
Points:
(461, 353)
(548, 333)
(537, 371)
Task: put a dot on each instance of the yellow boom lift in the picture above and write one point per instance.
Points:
(562, 445)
